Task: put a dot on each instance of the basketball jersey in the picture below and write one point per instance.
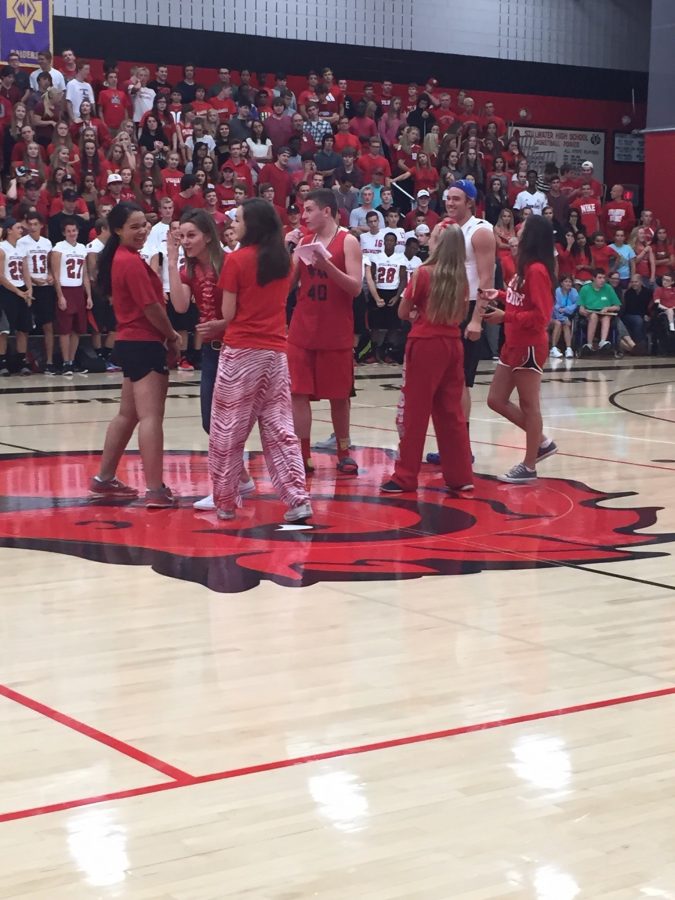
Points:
(387, 273)
(469, 228)
(73, 258)
(400, 237)
(371, 244)
(14, 257)
(323, 318)
(412, 265)
(38, 257)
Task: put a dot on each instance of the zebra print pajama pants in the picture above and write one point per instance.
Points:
(254, 386)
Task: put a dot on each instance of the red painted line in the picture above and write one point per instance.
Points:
(618, 462)
(189, 781)
(114, 743)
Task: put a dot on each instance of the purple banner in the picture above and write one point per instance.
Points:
(25, 27)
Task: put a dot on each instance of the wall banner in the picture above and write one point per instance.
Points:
(570, 146)
(25, 26)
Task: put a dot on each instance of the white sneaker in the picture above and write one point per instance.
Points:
(329, 444)
(555, 353)
(246, 487)
(205, 503)
(569, 353)
(298, 513)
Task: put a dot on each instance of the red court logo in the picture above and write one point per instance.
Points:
(357, 533)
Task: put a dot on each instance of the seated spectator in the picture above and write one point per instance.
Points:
(423, 209)
(582, 259)
(316, 127)
(598, 303)
(617, 213)
(240, 126)
(259, 144)
(664, 299)
(361, 125)
(327, 160)
(566, 299)
(367, 163)
(347, 194)
(278, 126)
(635, 312)
(348, 167)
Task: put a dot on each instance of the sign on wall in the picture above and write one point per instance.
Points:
(562, 146)
(25, 27)
(629, 148)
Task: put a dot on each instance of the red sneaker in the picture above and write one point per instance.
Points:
(185, 366)
(111, 489)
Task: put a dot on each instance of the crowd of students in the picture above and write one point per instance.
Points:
(73, 148)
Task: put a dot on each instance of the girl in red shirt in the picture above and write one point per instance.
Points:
(253, 383)
(425, 176)
(663, 253)
(436, 303)
(143, 333)
(528, 307)
(204, 260)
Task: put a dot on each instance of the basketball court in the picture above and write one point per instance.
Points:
(427, 699)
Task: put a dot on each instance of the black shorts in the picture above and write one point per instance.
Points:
(138, 358)
(44, 304)
(103, 313)
(17, 311)
(359, 307)
(472, 351)
(383, 318)
(186, 321)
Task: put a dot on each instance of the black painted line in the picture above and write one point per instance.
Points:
(28, 449)
(74, 388)
(635, 412)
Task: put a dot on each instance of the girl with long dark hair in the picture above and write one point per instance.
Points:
(143, 335)
(526, 317)
(199, 279)
(253, 384)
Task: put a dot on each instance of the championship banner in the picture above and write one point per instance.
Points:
(25, 27)
(562, 146)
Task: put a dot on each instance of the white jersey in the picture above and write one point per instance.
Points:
(400, 237)
(95, 246)
(231, 250)
(38, 257)
(156, 243)
(73, 258)
(371, 244)
(14, 257)
(412, 265)
(469, 228)
(387, 274)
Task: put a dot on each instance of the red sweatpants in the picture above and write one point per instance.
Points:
(434, 381)
(254, 386)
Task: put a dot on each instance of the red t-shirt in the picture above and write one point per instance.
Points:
(260, 320)
(618, 214)
(602, 257)
(171, 179)
(226, 197)
(445, 118)
(180, 204)
(589, 211)
(134, 286)
(418, 291)
(203, 284)
(528, 307)
(241, 173)
(115, 107)
(431, 219)
(368, 163)
(280, 179)
(363, 127)
(227, 109)
(665, 296)
(323, 318)
(348, 139)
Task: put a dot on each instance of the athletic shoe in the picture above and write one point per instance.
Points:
(162, 498)
(555, 353)
(586, 350)
(51, 369)
(110, 489)
(25, 369)
(246, 487)
(68, 369)
(519, 474)
(330, 444)
(226, 515)
(4, 371)
(309, 466)
(462, 487)
(206, 503)
(111, 367)
(185, 366)
(347, 466)
(569, 353)
(548, 450)
(434, 459)
(605, 347)
(298, 513)
(391, 487)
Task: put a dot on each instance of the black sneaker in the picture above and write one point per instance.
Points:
(51, 369)
(4, 371)
(80, 370)
(391, 487)
(68, 369)
(549, 450)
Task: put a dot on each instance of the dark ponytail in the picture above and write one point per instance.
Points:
(116, 219)
(263, 229)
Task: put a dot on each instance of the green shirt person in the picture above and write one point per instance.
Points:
(598, 303)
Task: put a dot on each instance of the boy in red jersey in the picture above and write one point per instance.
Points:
(320, 337)
(664, 300)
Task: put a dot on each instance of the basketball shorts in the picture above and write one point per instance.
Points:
(16, 312)
(72, 319)
(44, 304)
(532, 357)
(321, 374)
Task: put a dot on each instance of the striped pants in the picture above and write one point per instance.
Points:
(254, 386)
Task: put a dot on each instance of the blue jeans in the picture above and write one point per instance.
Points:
(636, 327)
(209, 372)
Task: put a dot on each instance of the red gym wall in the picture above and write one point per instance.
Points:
(561, 112)
(659, 183)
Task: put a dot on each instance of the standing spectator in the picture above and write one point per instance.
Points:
(664, 261)
(315, 127)
(73, 292)
(531, 198)
(45, 60)
(373, 160)
(160, 83)
(79, 89)
(589, 208)
(278, 126)
(327, 160)
(617, 213)
(645, 265)
(625, 265)
(362, 125)
(113, 104)
(358, 216)
(597, 189)
(495, 201)
(224, 81)
(558, 201)
(187, 88)
(240, 126)
(69, 64)
(602, 256)
(142, 96)
(21, 78)
(16, 295)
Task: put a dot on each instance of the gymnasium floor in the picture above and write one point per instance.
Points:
(427, 700)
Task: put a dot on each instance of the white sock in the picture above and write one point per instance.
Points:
(545, 443)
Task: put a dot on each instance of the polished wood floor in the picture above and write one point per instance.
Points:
(431, 698)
